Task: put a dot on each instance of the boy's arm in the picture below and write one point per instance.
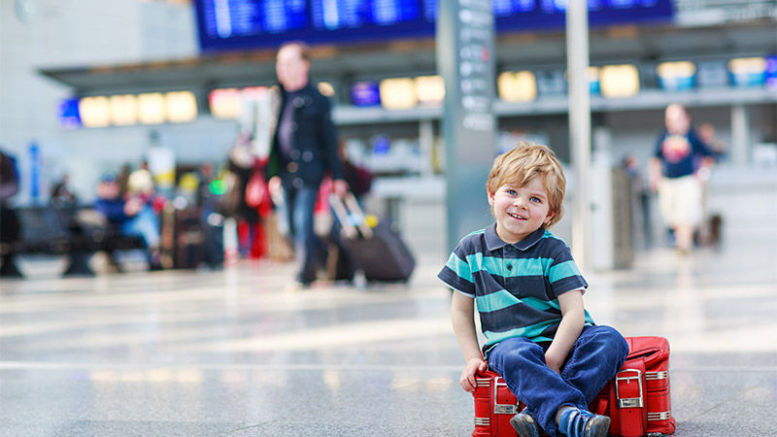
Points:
(462, 317)
(572, 321)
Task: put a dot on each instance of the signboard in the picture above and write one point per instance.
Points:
(465, 47)
(245, 24)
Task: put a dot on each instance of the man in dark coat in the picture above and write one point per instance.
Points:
(303, 151)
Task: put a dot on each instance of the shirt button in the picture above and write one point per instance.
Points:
(509, 267)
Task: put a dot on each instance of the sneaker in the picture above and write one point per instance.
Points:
(525, 425)
(581, 423)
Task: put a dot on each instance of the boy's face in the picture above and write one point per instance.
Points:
(519, 211)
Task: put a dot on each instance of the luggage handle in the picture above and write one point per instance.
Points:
(341, 209)
(353, 205)
(502, 408)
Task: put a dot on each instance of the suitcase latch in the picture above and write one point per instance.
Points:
(629, 402)
(502, 408)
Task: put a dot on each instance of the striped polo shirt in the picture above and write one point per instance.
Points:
(515, 286)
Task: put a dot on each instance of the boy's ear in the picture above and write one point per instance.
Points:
(491, 199)
(550, 215)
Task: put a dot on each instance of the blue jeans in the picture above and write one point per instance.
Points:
(299, 206)
(594, 359)
(146, 224)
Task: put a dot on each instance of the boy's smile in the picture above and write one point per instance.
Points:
(519, 211)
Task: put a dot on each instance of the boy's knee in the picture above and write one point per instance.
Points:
(614, 341)
(607, 338)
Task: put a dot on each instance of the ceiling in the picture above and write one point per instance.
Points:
(416, 57)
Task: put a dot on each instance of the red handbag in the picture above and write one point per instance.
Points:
(637, 400)
(257, 194)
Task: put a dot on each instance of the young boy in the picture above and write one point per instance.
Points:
(529, 294)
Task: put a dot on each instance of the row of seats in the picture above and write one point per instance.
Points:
(77, 232)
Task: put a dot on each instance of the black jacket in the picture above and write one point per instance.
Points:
(314, 144)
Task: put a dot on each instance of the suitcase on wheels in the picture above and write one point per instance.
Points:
(379, 252)
(637, 400)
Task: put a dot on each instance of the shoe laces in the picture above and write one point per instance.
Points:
(573, 422)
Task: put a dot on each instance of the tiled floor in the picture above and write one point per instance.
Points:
(235, 353)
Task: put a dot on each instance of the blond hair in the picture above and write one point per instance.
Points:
(525, 162)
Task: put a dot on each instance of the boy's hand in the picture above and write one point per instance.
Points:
(467, 380)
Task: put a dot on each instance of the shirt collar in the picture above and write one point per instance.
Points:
(493, 242)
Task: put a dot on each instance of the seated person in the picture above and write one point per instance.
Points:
(131, 217)
(10, 228)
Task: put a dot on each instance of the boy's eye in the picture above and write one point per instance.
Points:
(536, 199)
(511, 192)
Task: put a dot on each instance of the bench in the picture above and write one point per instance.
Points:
(64, 230)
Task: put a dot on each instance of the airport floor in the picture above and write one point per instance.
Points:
(238, 353)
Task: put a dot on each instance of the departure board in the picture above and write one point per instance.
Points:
(227, 19)
(247, 24)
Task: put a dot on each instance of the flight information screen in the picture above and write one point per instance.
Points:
(247, 24)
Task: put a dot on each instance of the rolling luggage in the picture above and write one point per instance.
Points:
(182, 238)
(377, 251)
(637, 400)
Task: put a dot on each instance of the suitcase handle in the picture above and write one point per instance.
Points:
(502, 408)
(341, 207)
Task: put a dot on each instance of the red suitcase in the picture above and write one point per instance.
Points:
(637, 399)
(495, 404)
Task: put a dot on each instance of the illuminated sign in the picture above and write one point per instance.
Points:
(747, 72)
(181, 106)
(68, 115)
(430, 90)
(95, 111)
(244, 24)
(128, 109)
(124, 110)
(398, 93)
(365, 94)
(619, 80)
(676, 76)
(151, 108)
(520, 86)
(225, 103)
